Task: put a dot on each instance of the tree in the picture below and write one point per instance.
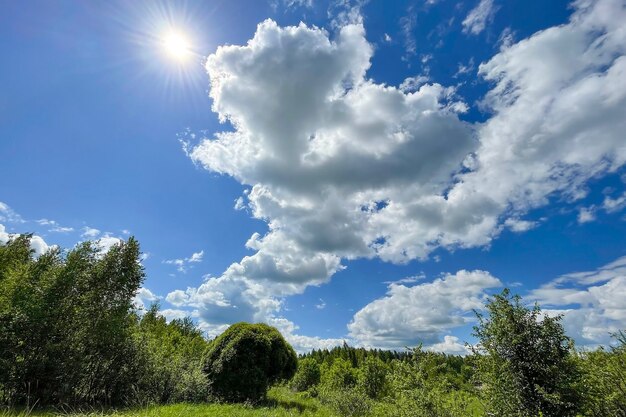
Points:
(245, 360)
(525, 361)
(66, 323)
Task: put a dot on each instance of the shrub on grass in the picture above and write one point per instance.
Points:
(245, 360)
(307, 375)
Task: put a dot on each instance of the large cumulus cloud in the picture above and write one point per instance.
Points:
(342, 167)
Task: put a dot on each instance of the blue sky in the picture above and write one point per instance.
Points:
(344, 170)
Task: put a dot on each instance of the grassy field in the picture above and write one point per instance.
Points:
(281, 403)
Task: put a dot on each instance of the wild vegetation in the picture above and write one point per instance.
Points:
(71, 339)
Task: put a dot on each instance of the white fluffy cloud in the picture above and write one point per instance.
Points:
(332, 158)
(37, 244)
(106, 242)
(451, 345)
(341, 167)
(90, 232)
(221, 301)
(592, 302)
(144, 298)
(4, 236)
(424, 313)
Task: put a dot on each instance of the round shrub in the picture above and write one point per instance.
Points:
(245, 360)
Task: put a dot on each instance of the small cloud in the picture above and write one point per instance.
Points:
(8, 215)
(407, 25)
(345, 12)
(465, 69)
(519, 226)
(613, 205)
(182, 264)
(321, 305)
(56, 227)
(240, 204)
(387, 38)
(298, 3)
(61, 229)
(407, 280)
(507, 38)
(586, 214)
(413, 83)
(196, 256)
(125, 232)
(90, 232)
(478, 17)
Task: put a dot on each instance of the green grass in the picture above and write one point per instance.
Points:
(281, 403)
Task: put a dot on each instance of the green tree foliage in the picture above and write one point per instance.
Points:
(372, 377)
(604, 380)
(338, 388)
(307, 375)
(172, 360)
(356, 356)
(243, 361)
(340, 374)
(526, 365)
(66, 323)
(422, 387)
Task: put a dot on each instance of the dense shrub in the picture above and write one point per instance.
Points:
(372, 377)
(419, 387)
(172, 360)
(243, 361)
(346, 402)
(603, 385)
(338, 375)
(307, 375)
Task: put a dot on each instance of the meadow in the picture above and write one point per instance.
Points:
(73, 343)
(281, 402)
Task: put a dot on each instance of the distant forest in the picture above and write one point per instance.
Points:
(71, 336)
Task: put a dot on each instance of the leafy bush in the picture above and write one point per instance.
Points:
(419, 387)
(339, 375)
(372, 377)
(171, 360)
(307, 375)
(243, 361)
(346, 402)
(604, 380)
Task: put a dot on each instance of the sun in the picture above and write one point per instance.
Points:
(177, 46)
